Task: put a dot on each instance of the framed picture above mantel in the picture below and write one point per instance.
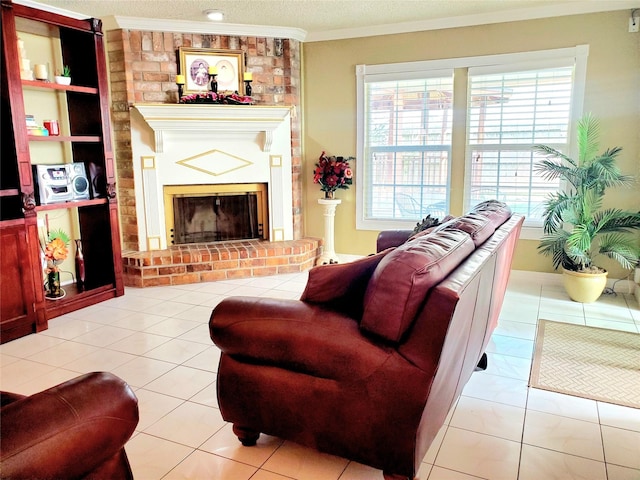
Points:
(196, 64)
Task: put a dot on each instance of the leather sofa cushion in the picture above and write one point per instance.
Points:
(495, 211)
(478, 227)
(343, 285)
(400, 283)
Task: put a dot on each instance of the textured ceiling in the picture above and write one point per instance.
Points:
(316, 20)
(323, 15)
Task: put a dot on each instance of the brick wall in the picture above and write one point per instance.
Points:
(142, 69)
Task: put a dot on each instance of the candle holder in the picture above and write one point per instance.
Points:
(213, 83)
(180, 83)
(247, 88)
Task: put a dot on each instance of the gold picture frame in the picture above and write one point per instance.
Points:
(194, 64)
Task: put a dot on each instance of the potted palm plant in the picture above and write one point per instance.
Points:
(576, 226)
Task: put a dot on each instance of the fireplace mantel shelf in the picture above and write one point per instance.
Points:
(210, 119)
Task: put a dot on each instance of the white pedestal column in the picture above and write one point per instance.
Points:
(328, 250)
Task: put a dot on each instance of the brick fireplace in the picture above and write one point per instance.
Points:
(142, 67)
(203, 149)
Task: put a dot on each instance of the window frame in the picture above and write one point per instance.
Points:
(424, 69)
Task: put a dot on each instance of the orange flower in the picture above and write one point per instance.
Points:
(56, 250)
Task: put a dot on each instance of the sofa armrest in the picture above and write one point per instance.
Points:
(294, 336)
(392, 238)
(69, 430)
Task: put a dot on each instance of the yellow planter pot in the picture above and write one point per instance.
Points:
(584, 287)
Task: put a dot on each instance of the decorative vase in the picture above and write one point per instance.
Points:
(329, 194)
(80, 272)
(53, 285)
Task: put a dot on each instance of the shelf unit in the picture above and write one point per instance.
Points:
(85, 138)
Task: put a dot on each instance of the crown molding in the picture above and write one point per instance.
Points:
(515, 15)
(52, 9)
(208, 28)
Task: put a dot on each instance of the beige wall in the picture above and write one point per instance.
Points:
(329, 102)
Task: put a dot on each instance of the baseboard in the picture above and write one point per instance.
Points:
(624, 285)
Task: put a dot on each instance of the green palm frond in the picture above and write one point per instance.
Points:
(550, 152)
(553, 245)
(588, 137)
(616, 220)
(579, 240)
(603, 171)
(553, 169)
(555, 207)
(620, 248)
(590, 202)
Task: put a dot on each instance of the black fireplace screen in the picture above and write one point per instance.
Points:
(214, 218)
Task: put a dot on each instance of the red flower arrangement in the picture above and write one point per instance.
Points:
(333, 173)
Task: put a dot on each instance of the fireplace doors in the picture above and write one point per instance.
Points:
(224, 213)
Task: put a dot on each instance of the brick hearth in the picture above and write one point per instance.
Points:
(203, 262)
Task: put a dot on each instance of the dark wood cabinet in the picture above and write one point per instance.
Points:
(82, 110)
(16, 288)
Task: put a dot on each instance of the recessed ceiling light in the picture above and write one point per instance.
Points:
(215, 15)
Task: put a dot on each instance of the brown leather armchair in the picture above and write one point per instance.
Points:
(74, 430)
(367, 364)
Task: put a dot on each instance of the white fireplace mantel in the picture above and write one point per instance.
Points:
(204, 144)
(207, 119)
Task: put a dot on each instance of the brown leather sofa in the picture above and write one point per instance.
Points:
(74, 430)
(367, 364)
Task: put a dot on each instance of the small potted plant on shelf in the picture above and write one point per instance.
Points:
(64, 77)
(591, 230)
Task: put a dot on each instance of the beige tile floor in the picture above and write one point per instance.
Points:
(157, 339)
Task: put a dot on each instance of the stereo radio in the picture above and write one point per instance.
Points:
(61, 183)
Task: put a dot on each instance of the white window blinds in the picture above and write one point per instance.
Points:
(407, 147)
(507, 114)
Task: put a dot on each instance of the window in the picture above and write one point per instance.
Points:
(412, 129)
(507, 114)
(408, 142)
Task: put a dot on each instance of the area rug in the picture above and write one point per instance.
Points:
(587, 362)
